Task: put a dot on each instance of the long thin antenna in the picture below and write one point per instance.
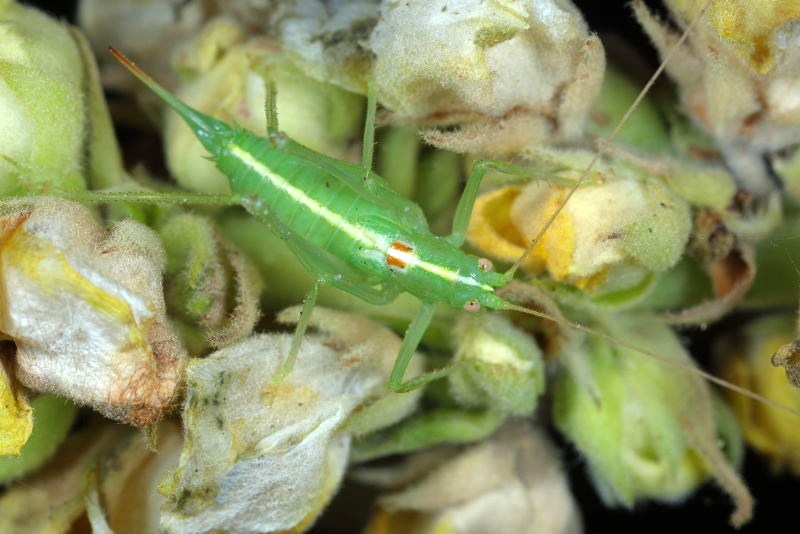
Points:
(658, 357)
(607, 140)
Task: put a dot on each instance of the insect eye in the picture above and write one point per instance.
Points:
(472, 305)
(485, 264)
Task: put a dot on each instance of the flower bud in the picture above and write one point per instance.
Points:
(212, 287)
(86, 310)
(264, 452)
(736, 75)
(441, 426)
(644, 129)
(46, 72)
(499, 366)
(510, 74)
(512, 482)
(610, 239)
(652, 433)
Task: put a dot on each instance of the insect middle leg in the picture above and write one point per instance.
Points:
(368, 294)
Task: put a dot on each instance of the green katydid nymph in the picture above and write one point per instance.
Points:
(347, 226)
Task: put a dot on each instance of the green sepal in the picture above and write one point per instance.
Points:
(429, 429)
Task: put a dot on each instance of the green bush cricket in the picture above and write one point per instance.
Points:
(347, 226)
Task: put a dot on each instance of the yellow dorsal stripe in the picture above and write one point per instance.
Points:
(410, 259)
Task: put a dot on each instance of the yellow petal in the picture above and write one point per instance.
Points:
(747, 25)
(532, 212)
(492, 230)
(504, 222)
(16, 416)
(772, 432)
(86, 311)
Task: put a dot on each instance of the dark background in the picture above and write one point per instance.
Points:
(708, 510)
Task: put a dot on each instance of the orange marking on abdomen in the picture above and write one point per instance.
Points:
(392, 259)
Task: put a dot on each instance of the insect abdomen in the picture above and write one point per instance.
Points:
(294, 195)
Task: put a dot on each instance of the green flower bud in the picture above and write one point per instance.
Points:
(46, 72)
(652, 432)
(776, 268)
(682, 286)
(397, 157)
(430, 177)
(702, 185)
(442, 426)
(439, 186)
(287, 281)
(212, 287)
(501, 367)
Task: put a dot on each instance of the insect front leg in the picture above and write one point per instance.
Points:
(368, 294)
(328, 270)
(467, 201)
